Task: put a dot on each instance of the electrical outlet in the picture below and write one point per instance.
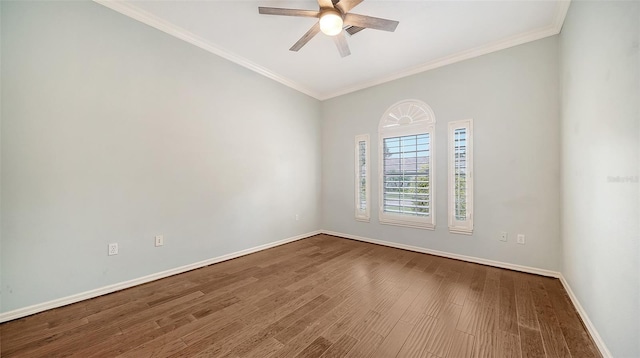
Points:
(503, 236)
(113, 249)
(297, 217)
(159, 240)
(521, 239)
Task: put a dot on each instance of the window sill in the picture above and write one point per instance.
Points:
(407, 223)
(461, 231)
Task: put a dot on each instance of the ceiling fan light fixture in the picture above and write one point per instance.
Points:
(331, 23)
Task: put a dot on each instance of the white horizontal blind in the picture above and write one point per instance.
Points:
(362, 177)
(460, 173)
(362, 151)
(460, 177)
(406, 175)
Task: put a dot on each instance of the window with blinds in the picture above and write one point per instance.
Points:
(460, 173)
(406, 175)
(362, 211)
(406, 165)
(460, 177)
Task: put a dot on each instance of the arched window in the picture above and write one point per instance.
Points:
(407, 165)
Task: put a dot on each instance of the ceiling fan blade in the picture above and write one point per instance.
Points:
(287, 12)
(306, 37)
(341, 44)
(325, 4)
(346, 5)
(370, 22)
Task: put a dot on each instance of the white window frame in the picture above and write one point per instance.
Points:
(461, 226)
(404, 118)
(362, 215)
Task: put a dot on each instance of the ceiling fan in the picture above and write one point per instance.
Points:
(333, 16)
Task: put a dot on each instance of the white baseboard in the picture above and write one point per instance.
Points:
(40, 307)
(585, 318)
(477, 260)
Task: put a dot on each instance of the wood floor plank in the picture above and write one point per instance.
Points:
(201, 328)
(167, 349)
(491, 291)
(394, 341)
(576, 337)
(155, 313)
(476, 317)
(321, 296)
(121, 343)
(344, 324)
(304, 322)
(340, 348)
(470, 317)
(424, 300)
(224, 348)
(477, 284)
(362, 328)
(530, 343)
(366, 346)
(302, 332)
(276, 327)
(461, 345)
(14, 340)
(524, 303)
(552, 336)
(463, 286)
(65, 341)
(213, 338)
(561, 303)
(508, 344)
(332, 269)
(440, 338)
(281, 306)
(579, 343)
(321, 326)
(441, 299)
(316, 348)
(266, 348)
(389, 318)
(485, 345)
(507, 316)
(416, 345)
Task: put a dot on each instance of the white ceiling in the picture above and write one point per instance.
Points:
(430, 34)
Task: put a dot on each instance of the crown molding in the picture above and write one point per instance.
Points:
(551, 30)
(561, 13)
(149, 19)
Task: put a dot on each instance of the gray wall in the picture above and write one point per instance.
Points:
(600, 142)
(113, 131)
(512, 96)
(1, 160)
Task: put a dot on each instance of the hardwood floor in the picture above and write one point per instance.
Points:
(318, 297)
